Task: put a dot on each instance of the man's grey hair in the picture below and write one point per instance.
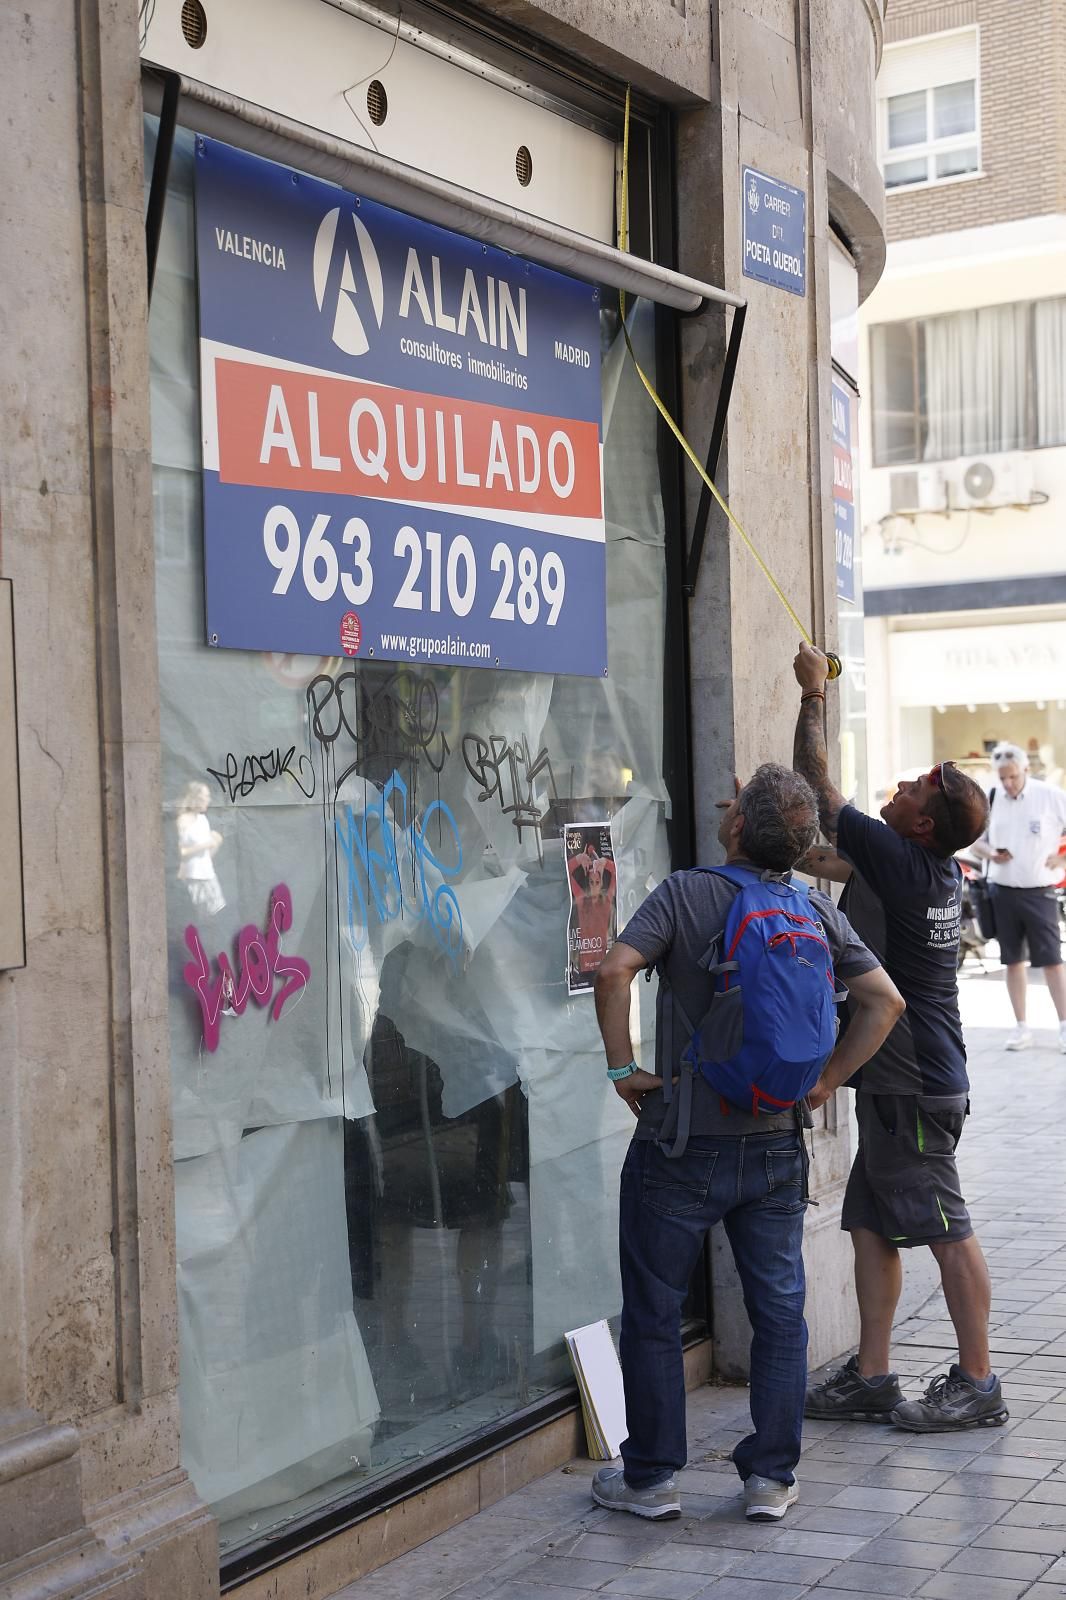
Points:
(780, 817)
(1005, 755)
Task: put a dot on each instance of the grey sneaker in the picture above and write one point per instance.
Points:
(610, 1489)
(846, 1396)
(766, 1500)
(951, 1403)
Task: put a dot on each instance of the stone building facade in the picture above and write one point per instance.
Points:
(95, 1498)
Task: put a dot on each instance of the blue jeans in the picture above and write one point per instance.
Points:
(756, 1185)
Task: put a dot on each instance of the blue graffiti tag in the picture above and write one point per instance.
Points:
(391, 867)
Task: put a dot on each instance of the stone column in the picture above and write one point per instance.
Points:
(93, 1499)
(787, 72)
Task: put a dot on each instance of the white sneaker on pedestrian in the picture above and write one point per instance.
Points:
(1020, 1038)
(610, 1490)
(1062, 1037)
(766, 1500)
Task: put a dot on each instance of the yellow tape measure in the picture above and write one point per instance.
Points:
(835, 664)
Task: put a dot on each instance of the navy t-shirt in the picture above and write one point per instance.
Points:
(904, 902)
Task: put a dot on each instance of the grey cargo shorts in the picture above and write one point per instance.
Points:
(904, 1182)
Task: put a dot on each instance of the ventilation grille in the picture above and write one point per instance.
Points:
(377, 103)
(523, 165)
(194, 23)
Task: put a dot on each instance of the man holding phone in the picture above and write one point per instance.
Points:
(1025, 827)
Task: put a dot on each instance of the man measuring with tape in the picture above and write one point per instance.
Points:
(903, 897)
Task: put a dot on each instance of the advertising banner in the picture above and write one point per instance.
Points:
(843, 492)
(775, 232)
(401, 434)
(593, 878)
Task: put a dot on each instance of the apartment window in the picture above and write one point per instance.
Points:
(971, 383)
(928, 110)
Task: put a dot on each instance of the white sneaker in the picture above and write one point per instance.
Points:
(766, 1500)
(610, 1490)
(1020, 1038)
(1062, 1037)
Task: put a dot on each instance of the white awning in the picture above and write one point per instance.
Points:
(278, 138)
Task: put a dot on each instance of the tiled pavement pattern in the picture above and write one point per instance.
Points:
(977, 1516)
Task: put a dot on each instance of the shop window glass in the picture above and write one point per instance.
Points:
(394, 1197)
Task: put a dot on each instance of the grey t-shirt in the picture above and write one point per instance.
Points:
(676, 924)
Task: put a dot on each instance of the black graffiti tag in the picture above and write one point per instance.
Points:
(508, 772)
(240, 774)
(397, 721)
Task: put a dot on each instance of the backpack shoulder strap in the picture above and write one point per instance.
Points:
(678, 1121)
(740, 877)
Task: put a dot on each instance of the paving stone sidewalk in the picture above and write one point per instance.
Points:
(972, 1516)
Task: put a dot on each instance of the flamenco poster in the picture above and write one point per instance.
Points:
(593, 878)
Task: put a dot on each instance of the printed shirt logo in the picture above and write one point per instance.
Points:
(349, 326)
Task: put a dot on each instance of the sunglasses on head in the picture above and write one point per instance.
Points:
(942, 775)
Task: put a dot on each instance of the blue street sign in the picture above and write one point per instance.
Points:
(843, 491)
(775, 232)
(401, 431)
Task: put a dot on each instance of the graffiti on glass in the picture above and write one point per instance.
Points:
(239, 775)
(393, 871)
(397, 721)
(261, 962)
(492, 761)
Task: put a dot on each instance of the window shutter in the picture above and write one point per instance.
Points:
(925, 63)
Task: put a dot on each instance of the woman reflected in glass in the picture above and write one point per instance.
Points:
(198, 843)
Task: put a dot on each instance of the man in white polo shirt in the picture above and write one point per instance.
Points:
(1025, 826)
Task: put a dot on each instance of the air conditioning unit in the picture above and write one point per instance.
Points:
(984, 483)
(914, 489)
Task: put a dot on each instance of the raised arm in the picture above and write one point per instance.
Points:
(821, 862)
(810, 757)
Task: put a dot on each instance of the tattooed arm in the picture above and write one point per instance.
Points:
(809, 754)
(821, 862)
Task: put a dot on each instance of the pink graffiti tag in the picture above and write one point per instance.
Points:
(261, 961)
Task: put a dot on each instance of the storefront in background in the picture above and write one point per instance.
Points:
(955, 686)
(390, 880)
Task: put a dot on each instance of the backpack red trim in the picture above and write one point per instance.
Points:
(790, 916)
(758, 1094)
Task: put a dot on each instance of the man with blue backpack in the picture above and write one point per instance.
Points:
(748, 964)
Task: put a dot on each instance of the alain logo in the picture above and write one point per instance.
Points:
(360, 292)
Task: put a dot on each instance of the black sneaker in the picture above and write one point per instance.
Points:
(951, 1403)
(846, 1396)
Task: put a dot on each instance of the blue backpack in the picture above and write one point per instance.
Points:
(771, 1024)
